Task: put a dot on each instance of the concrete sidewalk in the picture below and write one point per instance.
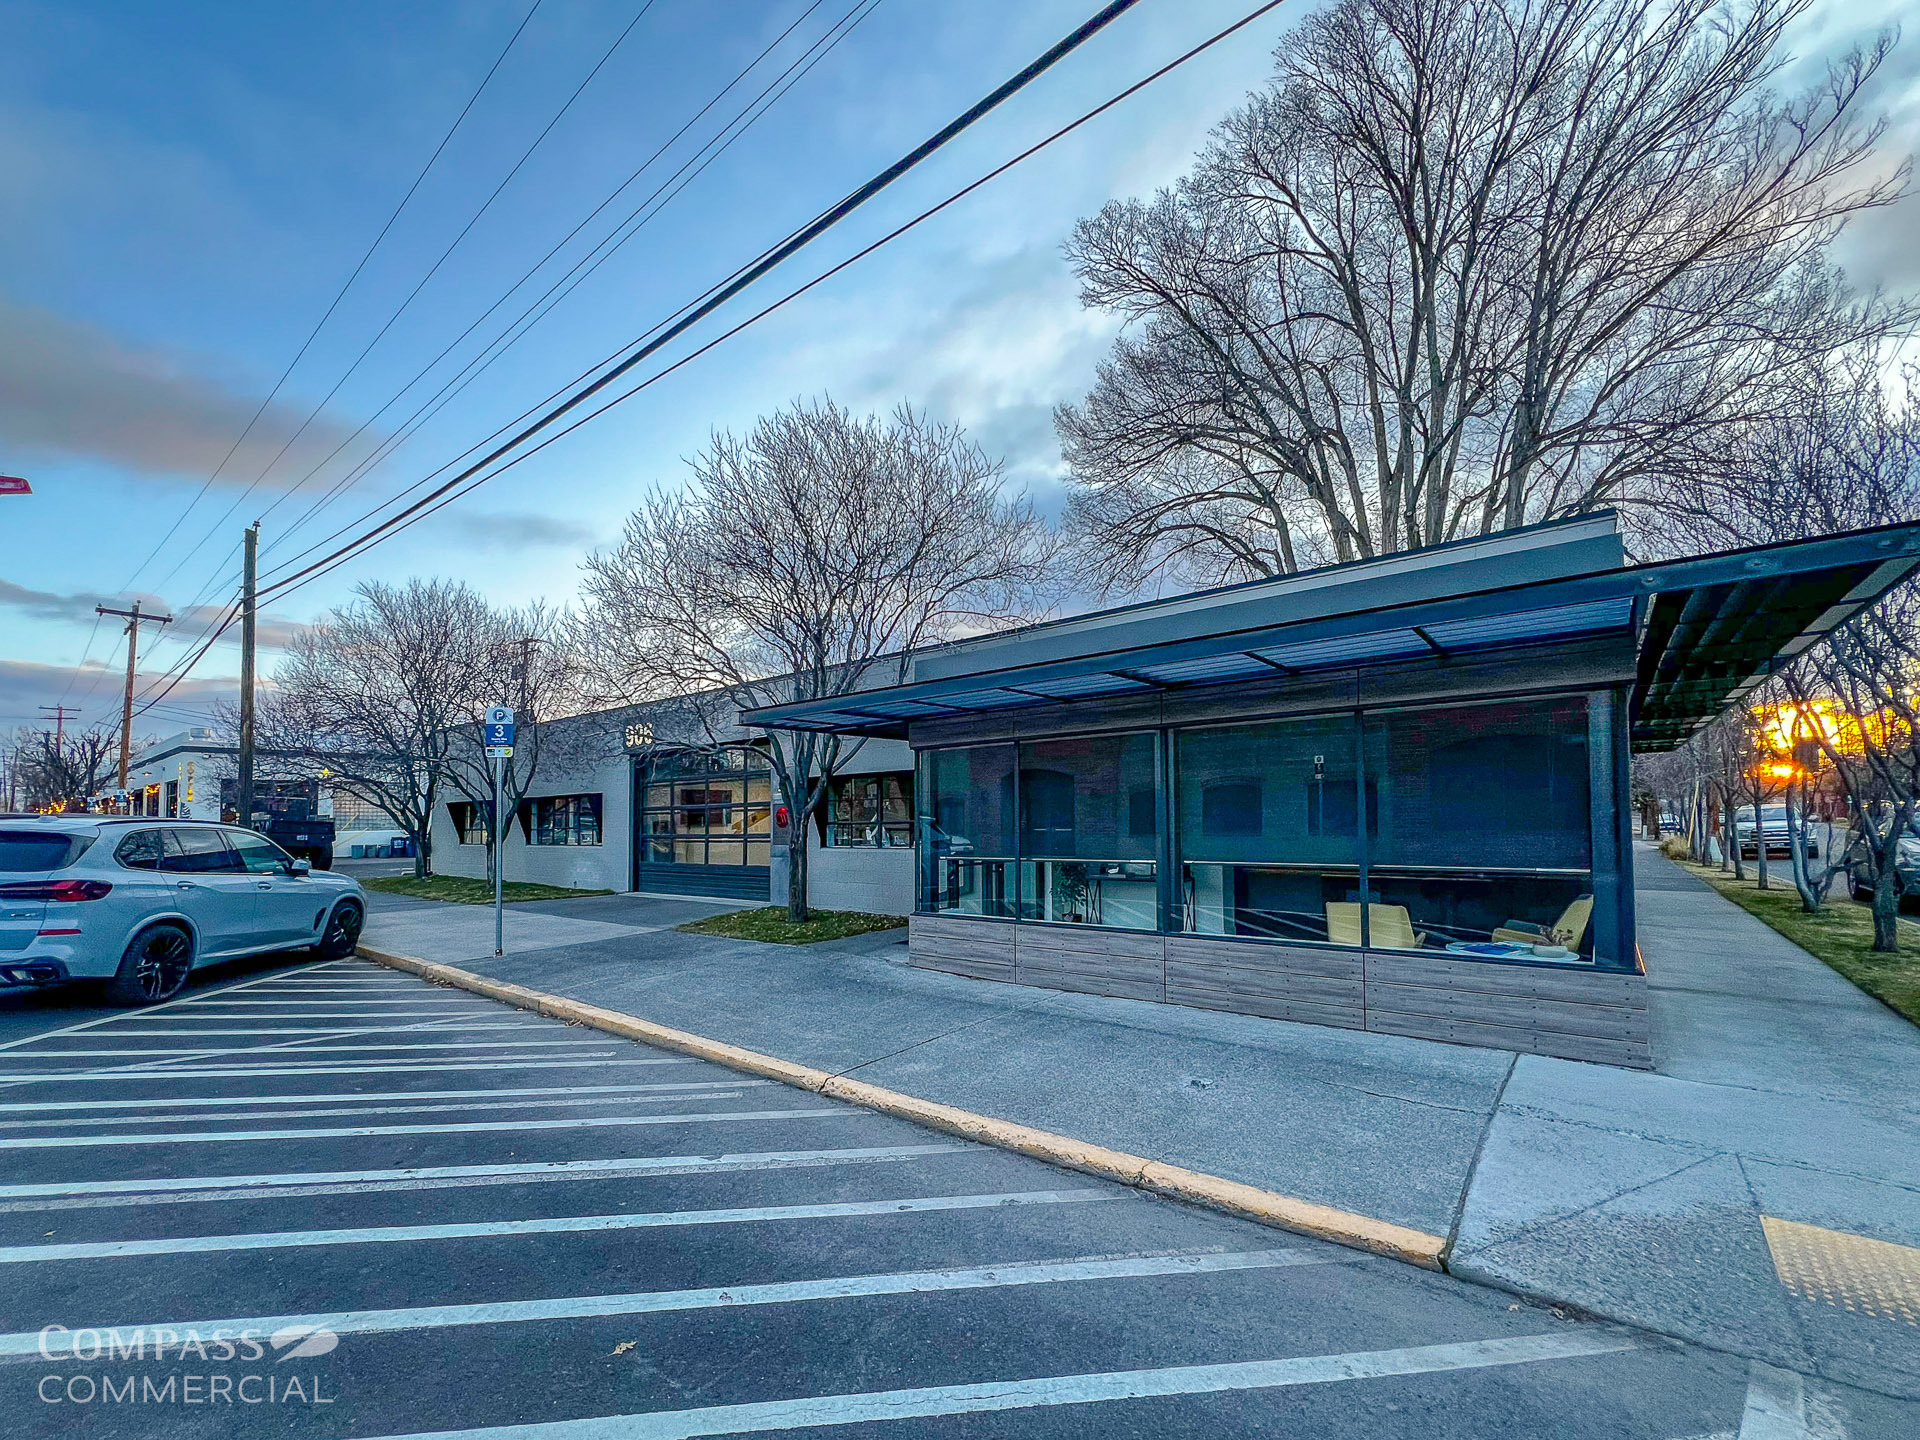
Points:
(1782, 1092)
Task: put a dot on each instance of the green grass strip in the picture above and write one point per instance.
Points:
(467, 890)
(771, 925)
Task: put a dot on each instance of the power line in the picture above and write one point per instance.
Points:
(421, 284)
(344, 288)
(805, 62)
(575, 275)
(795, 242)
(443, 494)
(446, 496)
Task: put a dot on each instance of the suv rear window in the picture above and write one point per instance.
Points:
(25, 851)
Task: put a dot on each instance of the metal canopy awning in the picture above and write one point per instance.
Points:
(1706, 629)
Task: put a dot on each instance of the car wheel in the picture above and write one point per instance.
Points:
(343, 931)
(154, 966)
(1863, 894)
(323, 859)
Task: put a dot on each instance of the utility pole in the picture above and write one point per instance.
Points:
(133, 618)
(60, 713)
(247, 606)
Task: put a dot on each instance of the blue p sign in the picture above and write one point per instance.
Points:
(499, 725)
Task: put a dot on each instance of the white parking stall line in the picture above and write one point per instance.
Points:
(654, 1302)
(222, 1137)
(257, 1049)
(37, 1106)
(563, 1043)
(932, 1401)
(713, 1090)
(562, 1225)
(361, 1004)
(225, 1017)
(491, 1063)
(335, 1030)
(130, 1014)
(523, 1169)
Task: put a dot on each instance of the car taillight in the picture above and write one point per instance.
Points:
(56, 890)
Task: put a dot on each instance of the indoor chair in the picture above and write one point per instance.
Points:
(1569, 930)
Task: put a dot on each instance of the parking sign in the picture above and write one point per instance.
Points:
(499, 726)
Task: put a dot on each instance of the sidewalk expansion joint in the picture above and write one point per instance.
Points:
(1248, 1202)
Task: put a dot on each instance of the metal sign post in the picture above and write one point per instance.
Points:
(499, 741)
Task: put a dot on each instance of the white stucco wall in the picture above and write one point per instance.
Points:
(579, 867)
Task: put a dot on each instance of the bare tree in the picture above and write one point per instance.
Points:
(1844, 456)
(805, 560)
(1464, 265)
(1871, 666)
(61, 771)
(529, 664)
(377, 693)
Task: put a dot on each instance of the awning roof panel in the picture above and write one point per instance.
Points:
(1709, 628)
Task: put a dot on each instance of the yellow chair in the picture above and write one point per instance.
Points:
(1569, 930)
(1392, 926)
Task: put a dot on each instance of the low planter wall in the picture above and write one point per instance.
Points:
(1573, 1014)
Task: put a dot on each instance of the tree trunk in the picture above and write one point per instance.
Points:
(1886, 906)
(422, 855)
(797, 871)
(1759, 847)
(1730, 824)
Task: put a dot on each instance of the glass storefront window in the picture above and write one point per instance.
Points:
(1268, 828)
(966, 805)
(1462, 830)
(1124, 894)
(1484, 842)
(1090, 831)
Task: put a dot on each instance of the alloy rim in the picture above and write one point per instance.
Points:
(343, 928)
(165, 957)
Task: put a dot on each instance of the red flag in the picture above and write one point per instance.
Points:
(14, 485)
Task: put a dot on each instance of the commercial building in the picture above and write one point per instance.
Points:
(1390, 795)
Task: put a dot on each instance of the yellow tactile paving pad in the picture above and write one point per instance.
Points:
(1869, 1277)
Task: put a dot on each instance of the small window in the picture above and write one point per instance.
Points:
(259, 855)
(142, 850)
(569, 820)
(871, 811)
(468, 822)
(198, 852)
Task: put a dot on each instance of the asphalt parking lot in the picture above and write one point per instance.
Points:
(350, 1204)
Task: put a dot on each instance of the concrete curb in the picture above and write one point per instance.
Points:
(1249, 1202)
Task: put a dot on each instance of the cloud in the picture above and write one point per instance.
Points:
(516, 530)
(25, 685)
(46, 605)
(272, 632)
(995, 358)
(70, 389)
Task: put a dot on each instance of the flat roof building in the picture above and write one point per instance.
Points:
(1390, 795)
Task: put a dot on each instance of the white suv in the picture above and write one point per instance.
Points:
(139, 902)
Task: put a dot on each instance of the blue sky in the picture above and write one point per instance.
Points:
(183, 189)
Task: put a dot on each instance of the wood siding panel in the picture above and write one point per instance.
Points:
(1579, 985)
(1091, 962)
(1635, 1054)
(1614, 1022)
(1268, 1007)
(979, 949)
(1291, 959)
